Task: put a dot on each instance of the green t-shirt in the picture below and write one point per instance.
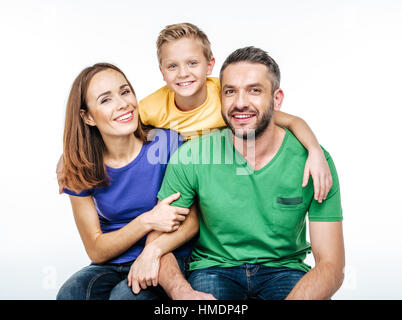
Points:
(248, 216)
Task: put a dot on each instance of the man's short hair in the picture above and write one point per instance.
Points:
(183, 30)
(255, 55)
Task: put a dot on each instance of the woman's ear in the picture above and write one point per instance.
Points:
(86, 116)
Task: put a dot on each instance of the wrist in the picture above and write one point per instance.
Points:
(153, 251)
(180, 290)
(146, 221)
(315, 150)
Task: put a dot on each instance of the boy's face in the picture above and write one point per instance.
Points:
(184, 66)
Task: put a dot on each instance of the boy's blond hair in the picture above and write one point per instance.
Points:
(183, 30)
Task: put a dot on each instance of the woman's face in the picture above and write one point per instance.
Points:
(112, 104)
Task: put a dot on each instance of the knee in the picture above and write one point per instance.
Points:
(71, 290)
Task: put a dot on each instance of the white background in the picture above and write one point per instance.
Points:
(341, 70)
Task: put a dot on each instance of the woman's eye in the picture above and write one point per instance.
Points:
(104, 100)
(125, 91)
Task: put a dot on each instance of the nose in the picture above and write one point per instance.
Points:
(183, 71)
(241, 100)
(121, 103)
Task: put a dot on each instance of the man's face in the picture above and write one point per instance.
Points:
(247, 101)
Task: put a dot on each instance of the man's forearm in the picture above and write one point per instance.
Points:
(320, 283)
(161, 244)
(171, 278)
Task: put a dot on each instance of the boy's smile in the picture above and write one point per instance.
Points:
(185, 69)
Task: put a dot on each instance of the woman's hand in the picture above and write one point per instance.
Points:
(164, 217)
(144, 272)
(317, 167)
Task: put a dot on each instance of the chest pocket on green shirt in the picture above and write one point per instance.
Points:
(288, 215)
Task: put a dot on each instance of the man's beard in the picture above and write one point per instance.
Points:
(261, 125)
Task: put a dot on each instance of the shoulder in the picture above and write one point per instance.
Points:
(213, 85)
(165, 140)
(155, 101)
(212, 141)
(293, 145)
(156, 134)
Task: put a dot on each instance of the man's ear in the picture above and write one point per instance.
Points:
(211, 64)
(278, 99)
(86, 116)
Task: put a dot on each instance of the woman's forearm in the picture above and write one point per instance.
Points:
(110, 245)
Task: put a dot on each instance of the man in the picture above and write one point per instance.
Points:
(252, 207)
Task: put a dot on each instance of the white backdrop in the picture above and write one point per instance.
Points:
(341, 68)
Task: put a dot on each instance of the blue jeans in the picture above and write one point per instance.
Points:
(109, 281)
(249, 281)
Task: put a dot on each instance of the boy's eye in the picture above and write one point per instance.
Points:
(192, 63)
(172, 66)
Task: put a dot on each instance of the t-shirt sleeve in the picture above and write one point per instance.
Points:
(84, 193)
(330, 209)
(179, 177)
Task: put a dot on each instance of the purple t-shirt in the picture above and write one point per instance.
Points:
(133, 190)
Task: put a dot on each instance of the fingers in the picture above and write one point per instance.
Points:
(327, 186)
(316, 182)
(129, 278)
(135, 287)
(180, 218)
(306, 175)
(171, 198)
(322, 186)
(182, 211)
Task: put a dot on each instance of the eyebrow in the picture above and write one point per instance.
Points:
(229, 86)
(109, 92)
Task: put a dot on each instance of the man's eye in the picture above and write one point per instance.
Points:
(228, 92)
(255, 90)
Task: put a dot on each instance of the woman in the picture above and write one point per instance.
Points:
(113, 182)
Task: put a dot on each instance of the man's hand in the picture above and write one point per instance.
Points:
(144, 272)
(317, 167)
(59, 172)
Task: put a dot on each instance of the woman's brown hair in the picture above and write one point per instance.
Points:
(83, 146)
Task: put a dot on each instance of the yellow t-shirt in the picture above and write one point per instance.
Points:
(159, 110)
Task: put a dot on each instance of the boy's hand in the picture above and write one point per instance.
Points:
(317, 167)
(59, 172)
